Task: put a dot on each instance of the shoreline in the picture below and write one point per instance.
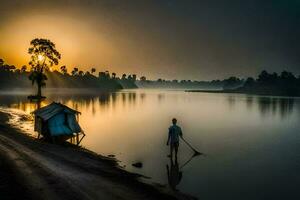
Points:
(47, 171)
(242, 92)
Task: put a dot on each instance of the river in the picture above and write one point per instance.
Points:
(251, 143)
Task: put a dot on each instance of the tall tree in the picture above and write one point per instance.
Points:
(1, 62)
(64, 70)
(107, 75)
(134, 77)
(75, 71)
(43, 56)
(6, 67)
(23, 68)
(80, 73)
(143, 78)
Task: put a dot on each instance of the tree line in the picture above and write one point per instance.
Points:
(13, 77)
(229, 83)
(285, 83)
(43, 55)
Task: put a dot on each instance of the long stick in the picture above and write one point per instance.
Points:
(195, 151)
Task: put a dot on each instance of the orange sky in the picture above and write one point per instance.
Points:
(75, 39)
(172, 39)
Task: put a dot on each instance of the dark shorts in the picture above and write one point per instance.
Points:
(175, 144)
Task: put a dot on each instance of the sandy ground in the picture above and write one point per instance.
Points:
(33, 169)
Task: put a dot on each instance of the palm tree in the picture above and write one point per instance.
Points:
(64, 70)
(113, 75)
(74, 71)
(93, 70)
(80, 73)
(107, 75)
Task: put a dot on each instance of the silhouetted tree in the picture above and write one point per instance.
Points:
(93, 70)
(80, 73)
(23, 68)
(129, 77)
(287, 76)
(75, 71)
(113, 75)
(6, 67)
(43, 56)
(124, 77)
(249, 82)
(264, 77)
(64, 70)
(102, 76)
(232, 83)
(134, 77)
(11, 67)
(107, 75)
(143, 78)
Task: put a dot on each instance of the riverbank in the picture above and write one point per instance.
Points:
(237, 91)
(41, 170)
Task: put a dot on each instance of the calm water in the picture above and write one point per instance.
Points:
(252, 142)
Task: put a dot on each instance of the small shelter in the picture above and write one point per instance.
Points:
(58, 122)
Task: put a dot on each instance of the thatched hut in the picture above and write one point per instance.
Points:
(58, 122)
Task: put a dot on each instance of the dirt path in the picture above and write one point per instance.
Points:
(52, 172)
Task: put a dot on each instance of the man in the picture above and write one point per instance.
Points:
(173, 138)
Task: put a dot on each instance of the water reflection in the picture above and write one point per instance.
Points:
(160, 97)
(175, 171)
(237, 130)
(78, 102)
(267, 106)
(231, 101)
(249, 102)
(273, 106)
(286, 107)
(174, 174)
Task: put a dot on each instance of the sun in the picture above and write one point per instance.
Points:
(41, 57)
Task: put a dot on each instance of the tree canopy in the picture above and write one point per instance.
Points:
(43, 56)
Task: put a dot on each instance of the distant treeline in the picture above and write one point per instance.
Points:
(284, 84)
(11, 77)
(229, 83)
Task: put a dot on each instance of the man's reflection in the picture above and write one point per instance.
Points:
(174, 174)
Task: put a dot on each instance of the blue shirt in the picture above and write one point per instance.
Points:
(174, 133)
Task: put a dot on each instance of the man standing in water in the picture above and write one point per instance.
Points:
(173, 138)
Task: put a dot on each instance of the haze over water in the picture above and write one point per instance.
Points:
(251, 143)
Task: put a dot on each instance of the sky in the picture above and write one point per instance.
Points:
(170, 39)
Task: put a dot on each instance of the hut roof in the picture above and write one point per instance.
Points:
(53, 109)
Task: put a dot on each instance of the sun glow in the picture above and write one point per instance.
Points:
(40, 58)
